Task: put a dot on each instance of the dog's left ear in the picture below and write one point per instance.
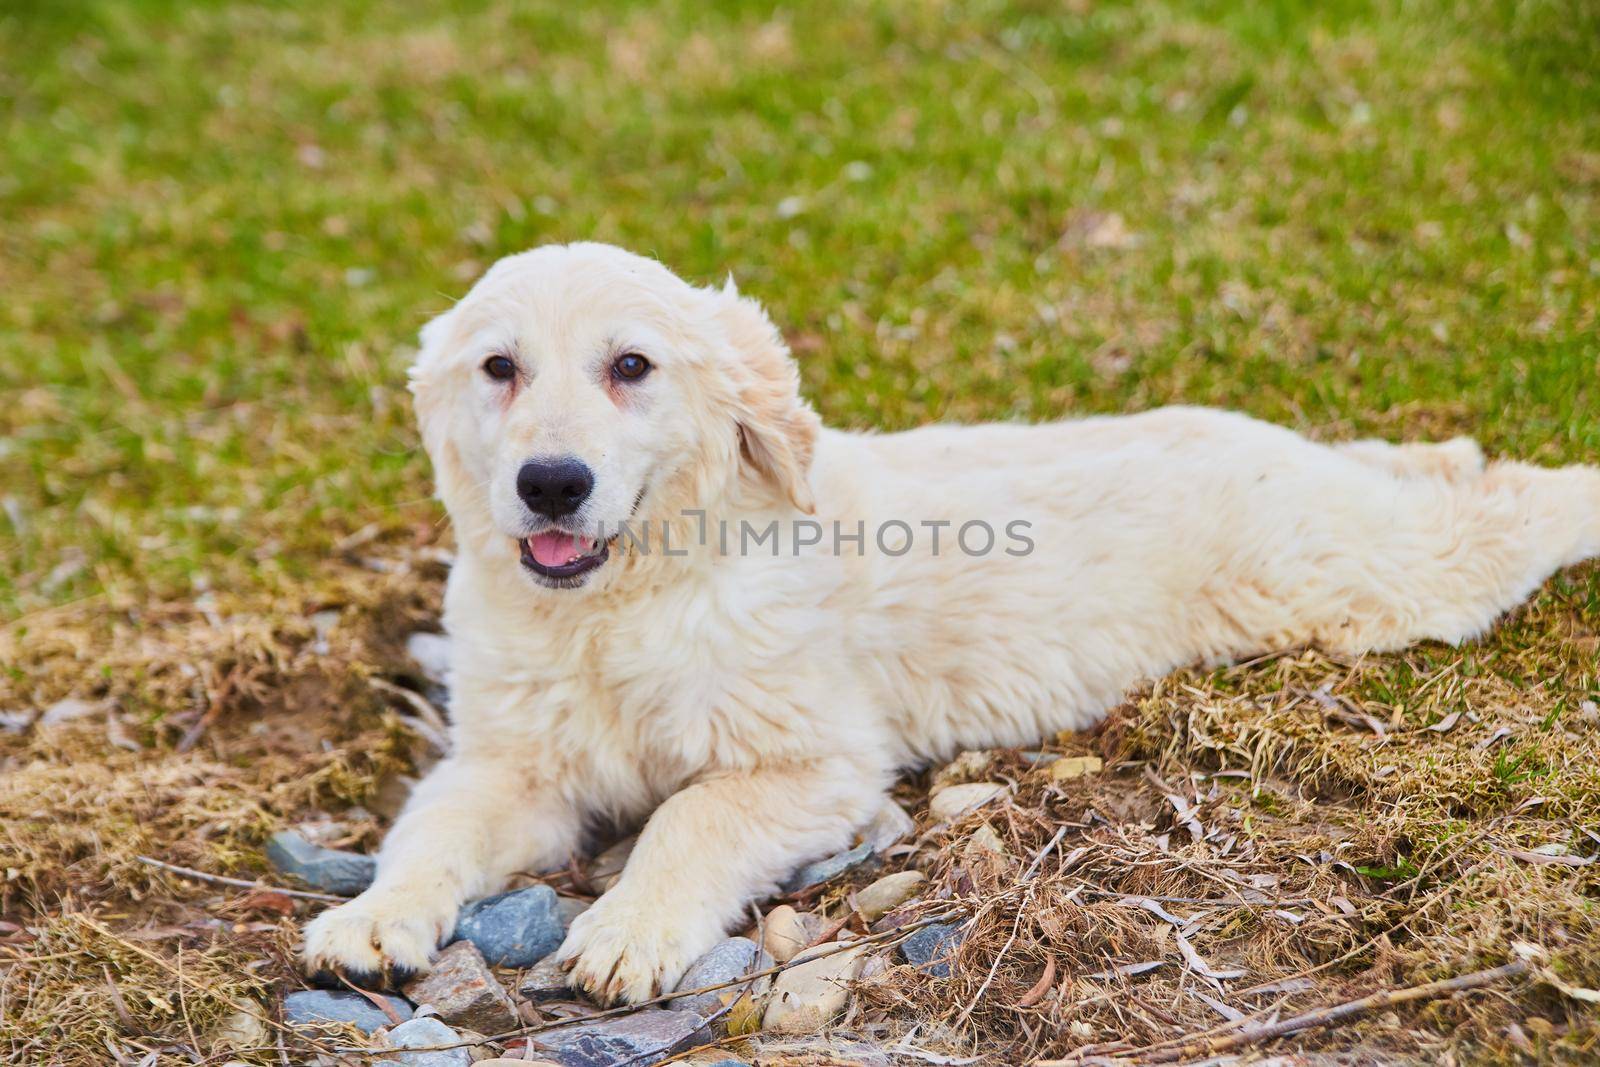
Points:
(777, 428)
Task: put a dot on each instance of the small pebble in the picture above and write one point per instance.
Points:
(888, 893)
(514, 929)
(464, 991)
(785, 932)
(727, 960)
(1068, 767)
(971, 764)
(809, 995)
(570, 908)
(545, 981)
(421, 1033)
(932, 947)
(954, 800)
(826, 870)
(327, 869)
(306, 1007)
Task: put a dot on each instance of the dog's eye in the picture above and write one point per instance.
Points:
(630, 367)
(500, 368)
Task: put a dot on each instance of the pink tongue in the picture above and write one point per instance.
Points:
(552, 548)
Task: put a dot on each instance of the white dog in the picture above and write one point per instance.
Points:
(756, 687)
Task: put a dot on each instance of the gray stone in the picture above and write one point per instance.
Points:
(889, 826)
(307, 1007)
(464, 991)
(327, 869)
(826, 870)
(515, 929)
(932, 947)
(570, 908)
(421, 1033)
(727, 961)
(887, 893)
(545, 981)
(637, 1039)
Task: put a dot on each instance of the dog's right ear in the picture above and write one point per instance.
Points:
(425, 374)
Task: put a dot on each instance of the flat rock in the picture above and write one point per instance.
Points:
(515, 929)
(637, 1039)
(826, 870)
(327, 869)
(889, 826)
(809, 995)
(419, 1034)
(932, 948)
(954, 800)
(888, 893)
(544, 982)
(786, 932)
(464, 991)
(307, 1007)
(728, 960)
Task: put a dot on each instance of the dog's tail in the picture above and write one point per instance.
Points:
(1464, 547)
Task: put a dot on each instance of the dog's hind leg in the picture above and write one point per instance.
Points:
(1448, 557)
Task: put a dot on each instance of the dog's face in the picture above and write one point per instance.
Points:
(578, 388)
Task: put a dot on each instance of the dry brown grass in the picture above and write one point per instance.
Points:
(284, 725)
(1331, 828)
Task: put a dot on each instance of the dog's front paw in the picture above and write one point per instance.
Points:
(626, 951)
(374, 941)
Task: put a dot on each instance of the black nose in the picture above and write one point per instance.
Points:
(554, 487)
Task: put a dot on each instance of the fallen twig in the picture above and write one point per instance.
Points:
(221, 879)
(1254, 1035)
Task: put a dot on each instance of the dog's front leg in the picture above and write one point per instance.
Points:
(470, 824)
(704, 854)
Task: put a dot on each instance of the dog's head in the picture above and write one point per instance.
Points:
(577, 388)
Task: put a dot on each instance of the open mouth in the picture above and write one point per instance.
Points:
(560, 556)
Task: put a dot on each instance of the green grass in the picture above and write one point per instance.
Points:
(223, 224)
